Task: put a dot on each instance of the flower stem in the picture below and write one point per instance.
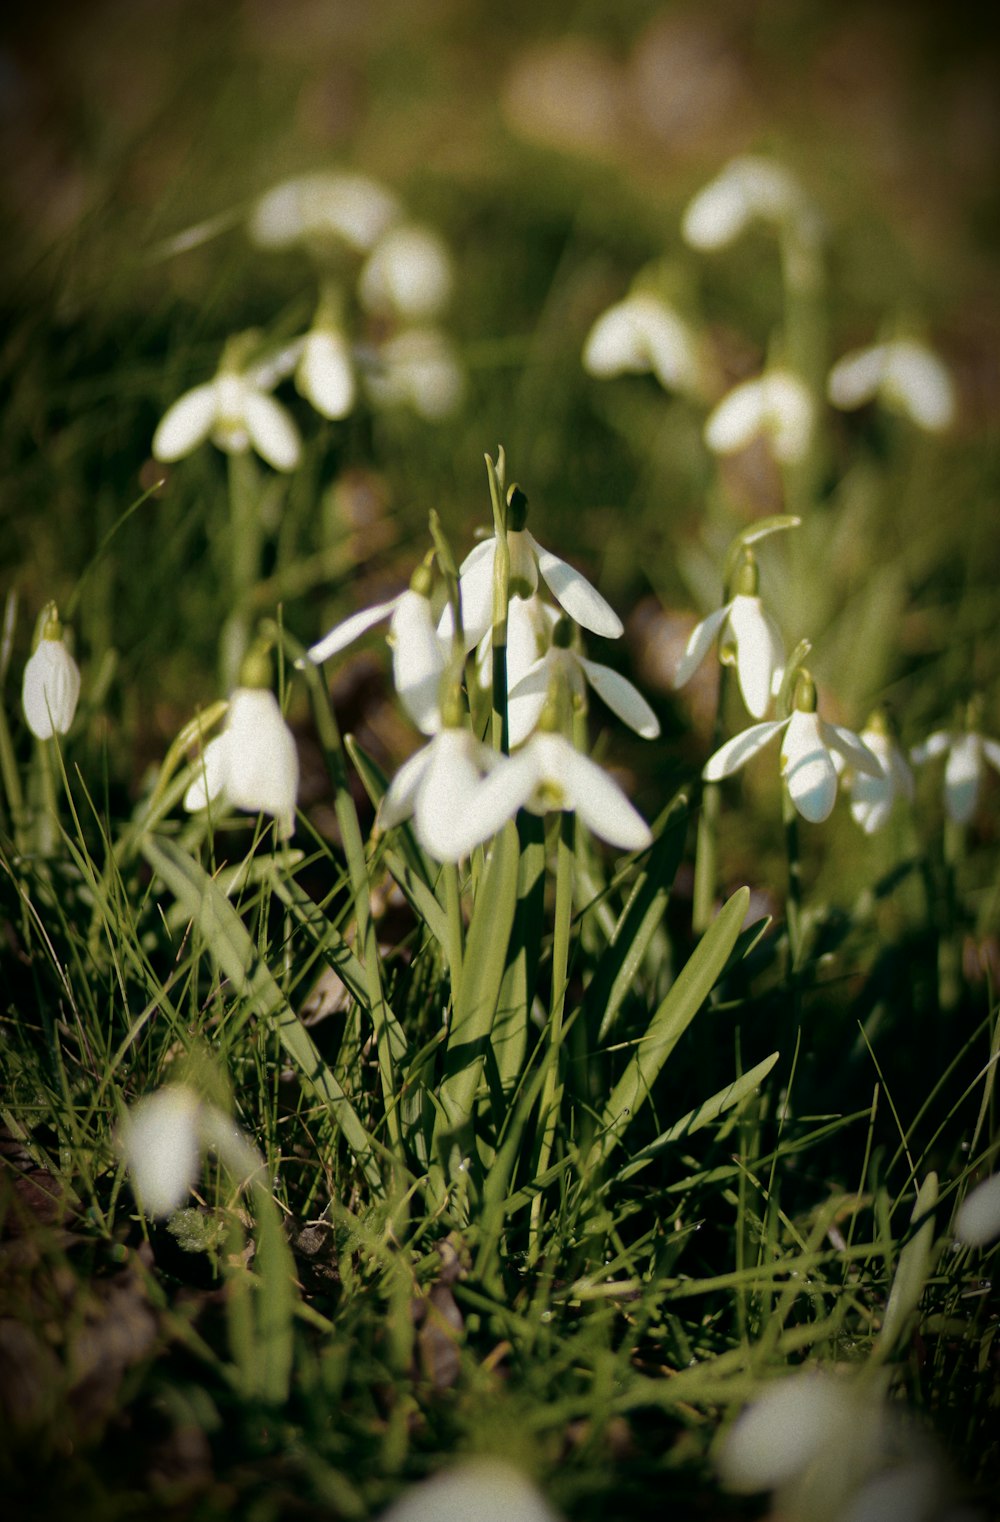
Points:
(706, 846)
(950, 938)
(456, 937)
(12, 786)
(793, 908)
(501, 595)
(244, 563)
(552, 1090)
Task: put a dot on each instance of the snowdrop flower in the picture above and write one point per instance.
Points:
(642, 334)
(978, 1220)
(163, 1139)
(440, 787)
(527, 694)
(346, 208)
(967, 752)
(419, 657)
(408, 274)
(50, 688)
(807, 749)
(417, 368)
(748, 189)
(235, 411)
(749, 639)
(324, 375)
(777, 404)
(906, 375)
(872, 798)
(253, 764)
(486, 1490)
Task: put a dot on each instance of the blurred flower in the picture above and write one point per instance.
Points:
(417, 368)
(807, 764)
(348, 208)
(408, 274)
(50, 688)
(967, 752)
(253, 764)
(907, 376)
(777, 404)
(749, 639)
(527, 694)
(440, 787)
(235, 411)
(748, 189)
(483, 1490)
(324, 374)
(163, 1139)
(872, 798)
(642, 334)
(978, 1218)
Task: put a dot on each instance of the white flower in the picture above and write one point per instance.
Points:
(419, 657)
(477, 1490)
(550, 773)
(742, 623)
(872, 798)
(527, 694)
(236, 412)
(967, 751)
(906, 375)
(978, 1218)
(748, 189)
(408, 274)
(807, 764)
(253, 764)
(777, 404)
(440, 787)
(642, 334)
(417, 368)
(325, 373)
(50, 689)
(163, 1139)
(348, 208)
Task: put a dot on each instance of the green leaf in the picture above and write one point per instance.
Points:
(509, 1038)
(912, 1271)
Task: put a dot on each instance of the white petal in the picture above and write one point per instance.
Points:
(672, 350)
(477, 1490)
(789, 408)
(717, 215)
(350, 206)
(50, 689)
(574, 593)
(920, 385)
(935, 745)
(418, 661)
(962, 774)
(475, 578)
(622, 698)
(262, 764)
(699, 643)
(760, 654)
(856, 377)
(159, 1140)
(736, 421)
(529, 627)
(598, 800)
(275, 367)
(808, 768)
(352, 628)
(871, 804)
(525, 701)
(325, 374)
(447, 821)
(853, 749)
(777, 1436)
(272, 430)
(616, 343)
(978, 1218)
(185, 424)
(737, 751)
(210, 780)
(408, 273)
(276, 220)
(401, 794)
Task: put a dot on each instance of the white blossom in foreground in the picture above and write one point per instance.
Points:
(50, 688)
(163, 1139)
(872, 798)
(440, 787)
(749, 639)
(253, 764)
(748, 189)
(777, 405)
(806, 757)
(978, 1220)
(967, 752)
(408, 274)
(477, 1490)
(643, 334)
(345, 208)
(527, 695)
(237, 413)
(905, 375)
(419, 657)
(417, 368)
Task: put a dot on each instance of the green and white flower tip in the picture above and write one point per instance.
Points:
(562, 663)
(643, 335)
(977, 1223)
(254, 764)
(749, 639)
(905, 375)
(485, 1489)
(235, 411)
(872, 798)
(968, 751)
(408, 274)
(416, 368)
(419, 657)
(749, 189)
(440, 787)
(163, 1139)
(347, 209)
(806, 757)
(50, 688)
(776, 405)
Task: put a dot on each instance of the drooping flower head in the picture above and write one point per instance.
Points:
(905, 375)
(235, 410)
(967, 751)
(977, 1222)
(749, 189)
(416, 368)
(50, 688)
(350, 210)
(407, 275)
(777, 406)
(749, 639)
(872, 798)
(163, 1139)
(642, 334)
(563, 662)
(483, 1489)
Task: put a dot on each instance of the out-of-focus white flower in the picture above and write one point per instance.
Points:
(407, 274)
(478, 1490)
(253, 764)
(419, 657)
(347, 208)
(749, 639)
(236, 412)
(978, 1220)
(324, 374)
(907, 376)
(440, 787)
(417, 368)
(50, 688)
(527, 694)
(872, 798)
(777, 404)
(748, 189)
(780, 1433)
(642, 334)
(807, 764)
(967, 752)
(163, 1139)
